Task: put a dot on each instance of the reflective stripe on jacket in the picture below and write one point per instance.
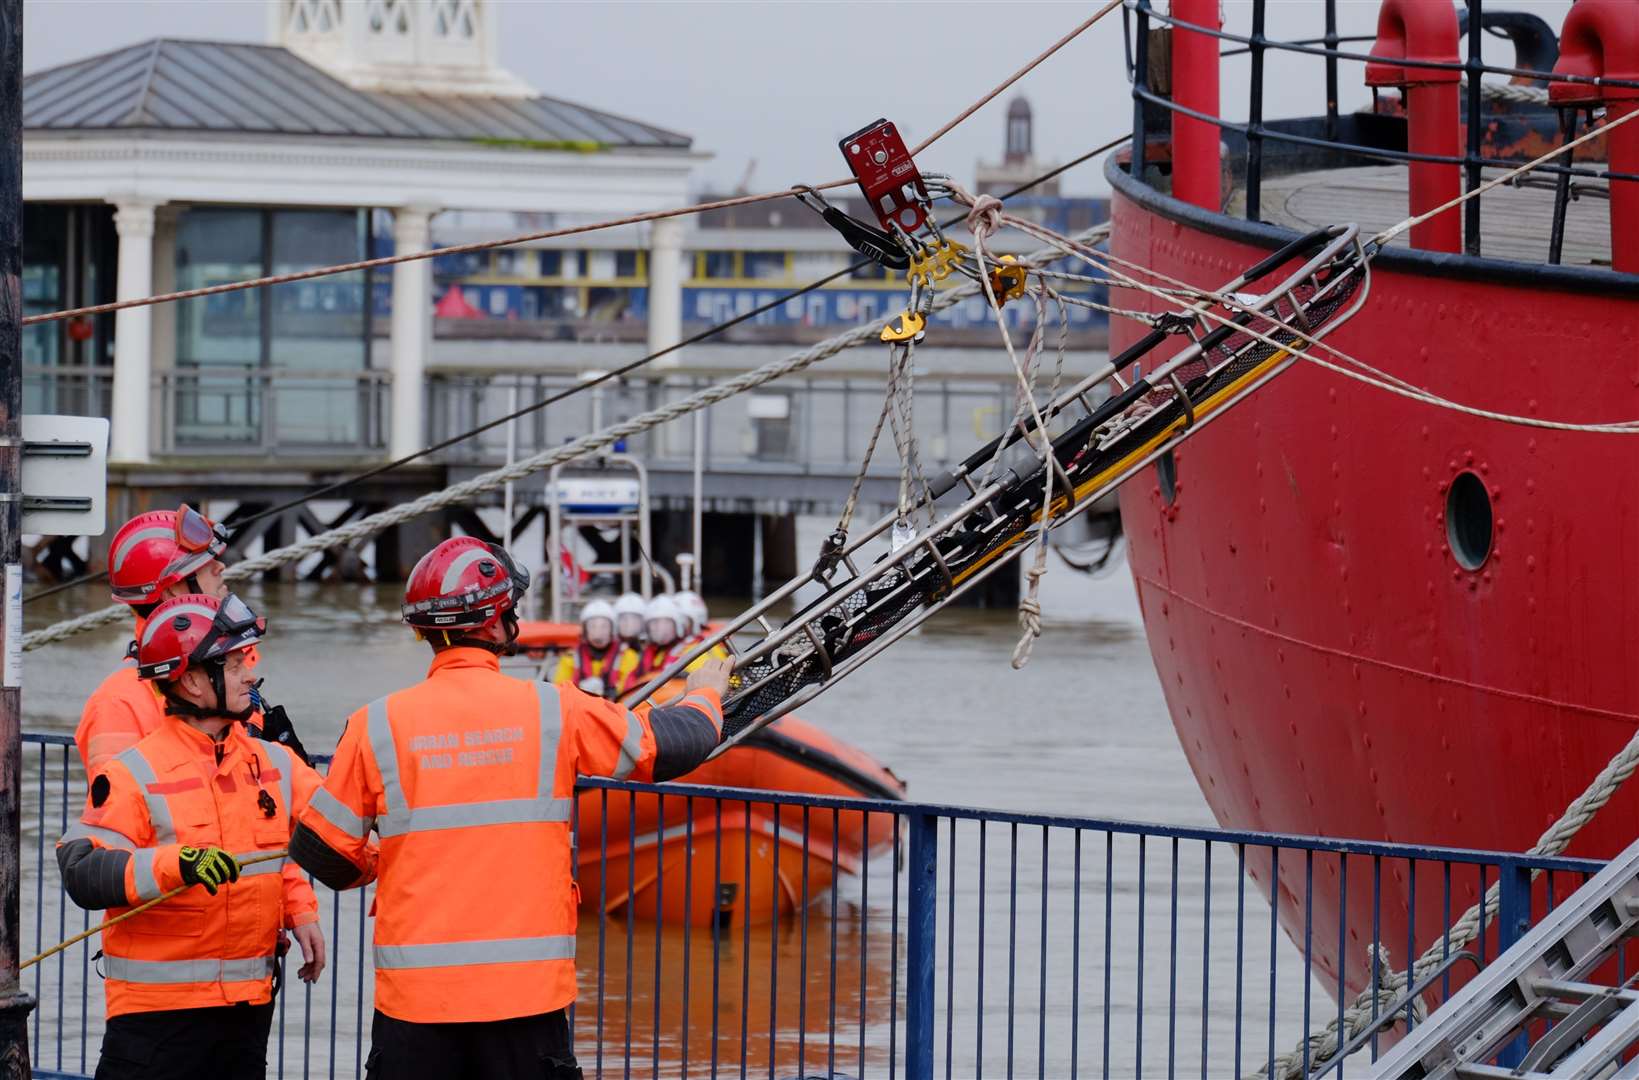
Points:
(194, 950)
(468, 778)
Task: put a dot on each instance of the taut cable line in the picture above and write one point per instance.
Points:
(569, 230)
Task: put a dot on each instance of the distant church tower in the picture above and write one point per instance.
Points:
(1018, 162)
(1018, 133)
(401, 46)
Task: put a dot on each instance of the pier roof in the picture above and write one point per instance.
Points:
(199, 87)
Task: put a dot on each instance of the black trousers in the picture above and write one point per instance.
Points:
(227, 1042)
(522, 1048)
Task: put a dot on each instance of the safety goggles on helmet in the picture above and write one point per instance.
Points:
(198, 540)
(233, 626)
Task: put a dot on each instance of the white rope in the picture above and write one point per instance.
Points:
(1517, 93)
(983, 219)
(1366, 373)
(468, 490)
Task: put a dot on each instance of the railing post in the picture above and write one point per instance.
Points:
(922, 891)
(1471, 167)
(1331, 70)
(1141, 79)
(1513, 920)
(1197, 166)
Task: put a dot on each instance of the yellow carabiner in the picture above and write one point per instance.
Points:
(910, 324)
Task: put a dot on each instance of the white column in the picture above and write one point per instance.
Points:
(133, 329)
(666, 286)
(411, 329)
(163, 335)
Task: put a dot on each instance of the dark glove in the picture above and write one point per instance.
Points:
(276, 727)
(209, 866)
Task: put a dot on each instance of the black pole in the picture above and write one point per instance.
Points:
(14, 1004)
(1562, 187)
(1331, 70)
(1141, 78)
(1471, 209)
(1254, 120)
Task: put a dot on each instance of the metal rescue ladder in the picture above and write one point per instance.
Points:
(606, 501)
(1564, 972)
(865, 606)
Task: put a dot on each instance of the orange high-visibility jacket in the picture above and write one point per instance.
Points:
(468, 779)
(170, 790)
(116, 716)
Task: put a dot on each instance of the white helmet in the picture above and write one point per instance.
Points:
(695, 608)
(629, 616)
(597, 636)
(663, 609)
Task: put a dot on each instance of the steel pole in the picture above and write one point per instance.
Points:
(14, 1004)
(699, 491)
(511, 457)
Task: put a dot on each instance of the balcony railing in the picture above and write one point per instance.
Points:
(247, 412)
(810, 425)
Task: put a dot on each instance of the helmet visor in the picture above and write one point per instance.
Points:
(236, 626)
(195, 532)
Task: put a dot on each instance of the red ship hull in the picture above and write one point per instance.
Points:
(1328, 664)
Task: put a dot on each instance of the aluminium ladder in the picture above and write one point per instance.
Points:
(1559, 972)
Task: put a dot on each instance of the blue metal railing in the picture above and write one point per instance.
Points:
(954, 942)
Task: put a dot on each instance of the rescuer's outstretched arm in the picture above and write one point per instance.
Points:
(649, 743)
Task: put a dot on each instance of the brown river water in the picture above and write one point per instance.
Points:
(1082, 731)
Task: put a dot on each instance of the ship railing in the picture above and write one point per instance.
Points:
(1140, 15)
(955, 941)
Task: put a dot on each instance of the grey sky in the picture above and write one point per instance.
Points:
(781, 82)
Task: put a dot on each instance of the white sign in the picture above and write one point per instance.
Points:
(65, 475)
(594, 495)
(13, 675)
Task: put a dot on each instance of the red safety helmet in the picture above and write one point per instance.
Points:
(193, 629)
(156, 550)
(463, 584)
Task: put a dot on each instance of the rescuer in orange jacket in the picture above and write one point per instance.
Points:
(153, 557)
(468, 778)
(189, 983)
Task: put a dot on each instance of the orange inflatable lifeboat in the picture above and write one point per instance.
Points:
(748, 861)
(644, 840)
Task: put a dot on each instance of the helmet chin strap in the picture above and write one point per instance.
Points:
(509, 622)
(216, 670)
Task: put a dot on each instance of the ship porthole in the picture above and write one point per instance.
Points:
(1468, 520)
(1166, 477)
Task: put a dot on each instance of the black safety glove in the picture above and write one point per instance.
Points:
(276, 725)
(208, 866)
